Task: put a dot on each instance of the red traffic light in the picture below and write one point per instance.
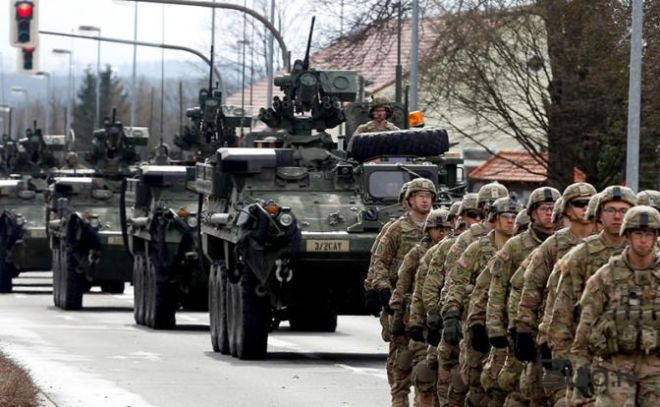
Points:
(24, 9)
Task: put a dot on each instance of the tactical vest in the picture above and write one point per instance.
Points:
(630, 322)
(486, 252)
(411, 234)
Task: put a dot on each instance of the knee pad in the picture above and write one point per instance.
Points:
(404, 360)
(423, 377)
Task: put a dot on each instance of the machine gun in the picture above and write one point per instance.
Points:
(311, 98)
(31, 154)
(112, 149)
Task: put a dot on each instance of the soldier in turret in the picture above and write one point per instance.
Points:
(615, 353)
(380, 111)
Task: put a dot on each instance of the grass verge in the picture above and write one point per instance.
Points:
(16, 386)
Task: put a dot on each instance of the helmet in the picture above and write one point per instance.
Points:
(453, 209)
(71, 154)
(590, 214)
(420, 184)
(503, 205)
(578, 190)
(616, 193)
(380, 101)
(650, 198)
(558, 210)
(543, 194)
(437, 218)
(640, 217)
(490, 192)
(470, 201)
(402, 193)
(522, 221)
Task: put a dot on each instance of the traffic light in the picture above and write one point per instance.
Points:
(28, 60)
(23, 22)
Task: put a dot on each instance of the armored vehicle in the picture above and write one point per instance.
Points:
(288, 230)
(83, 219)
(23, 242)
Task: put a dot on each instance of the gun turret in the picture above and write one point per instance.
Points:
(112, 149)
(307, 90)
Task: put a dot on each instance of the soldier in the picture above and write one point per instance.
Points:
(539, 208)
(449, 349)
(649, 198)
(71, 161)
(522, 222)
(380, 111)
(435, 230)
(399, 238)
(572, 207)
(474, 345)
(581, 262)
(617, 333)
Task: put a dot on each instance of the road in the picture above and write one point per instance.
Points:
(99, 357)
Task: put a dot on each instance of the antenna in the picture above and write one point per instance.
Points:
(309, 45)
(114, 114)
(211, 73)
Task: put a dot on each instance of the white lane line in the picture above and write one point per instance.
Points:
(188, 318)
(364, 370)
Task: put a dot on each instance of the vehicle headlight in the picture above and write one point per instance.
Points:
(286, 219)
(192, 221)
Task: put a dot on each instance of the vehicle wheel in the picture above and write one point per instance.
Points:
(138, 289)
(164, 301)
(313, 315)
(213, 309)
(113, 287)
(148, 293)
(7, 271)
(420, 142)
(250, 316)
(223, 333)
(55, 266)
(72, 282)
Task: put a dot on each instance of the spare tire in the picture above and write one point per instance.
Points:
(417, 142)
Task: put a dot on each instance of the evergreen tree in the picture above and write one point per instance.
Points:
(83, 118)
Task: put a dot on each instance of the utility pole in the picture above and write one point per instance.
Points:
(414, 53)
(134, 69)
(634, 96)
(269, 66)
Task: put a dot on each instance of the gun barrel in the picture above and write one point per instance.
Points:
(309, 45)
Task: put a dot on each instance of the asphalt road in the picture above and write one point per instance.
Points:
(99, 357)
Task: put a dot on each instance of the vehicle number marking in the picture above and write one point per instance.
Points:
(115, 240)
(337, 246)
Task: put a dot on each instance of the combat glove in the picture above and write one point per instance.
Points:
(434, 321)
(384, 295)
(397, 327)
(452, 332)
(499, 342)
(372, 302)
(583, 381)
(433, 337)
(525, 348)
(416, 333)
(479, 338)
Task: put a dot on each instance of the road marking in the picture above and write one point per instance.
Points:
(364, 370)
(188, 318)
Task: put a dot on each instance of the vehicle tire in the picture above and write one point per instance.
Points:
(164, 300)
(313, 315)
(113, 287)
(213, 308)
(72, 282)
(223, 332)
(7, 271)
(148, 293)
(55, 266)
(418, 142)
(138, 289)
(250, 315)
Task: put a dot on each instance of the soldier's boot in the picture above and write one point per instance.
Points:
(423, 378)
(402, 369)
(400, 401)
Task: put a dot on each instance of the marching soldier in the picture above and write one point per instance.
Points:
(539, 207)
(394, 244)
(649, 198)
(581, 262)
(617, 333)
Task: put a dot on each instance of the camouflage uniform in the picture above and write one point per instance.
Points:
(395, 243)
(506, 263)
(580, 263)
(372, 126)
(618, 328)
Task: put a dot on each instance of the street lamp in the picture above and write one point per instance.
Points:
(24, 92)
(98, 70)
(60, 51)
(42, 74)
(7, 108)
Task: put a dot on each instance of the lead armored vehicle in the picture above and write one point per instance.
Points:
(23, 242)
(83, 219)
(288, 230)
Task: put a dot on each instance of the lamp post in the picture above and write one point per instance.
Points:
(60, 51)
(97, 114)
(24, 92)
(7, 108)
(42, 74)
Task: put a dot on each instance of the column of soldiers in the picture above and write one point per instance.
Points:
(488, 303)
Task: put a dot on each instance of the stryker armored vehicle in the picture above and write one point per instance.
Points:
(23, 242)
(83, 219)
(288, 230)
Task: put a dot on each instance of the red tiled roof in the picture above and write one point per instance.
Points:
(516, 166)
(375, 59)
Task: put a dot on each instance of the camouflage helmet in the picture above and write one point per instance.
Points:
(490, 192)
(522, 221)
(558, 210)
(616, 193)
(402, 193)
(649, 197)
(640, 217)
(437, 218)
(454, 209)
(578, 190)
(420, 184)
(504, 205)
(543, 194)
(590, 214)
(380, 101)
(470, 201)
